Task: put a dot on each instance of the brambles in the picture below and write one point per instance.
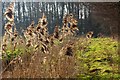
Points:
(36, 40)
(9, 13)
(69, 25)
(89, 34)
(39, 54)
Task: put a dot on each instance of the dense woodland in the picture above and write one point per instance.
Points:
(99, 18)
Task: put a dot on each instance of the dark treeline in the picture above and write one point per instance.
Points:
(96, 17)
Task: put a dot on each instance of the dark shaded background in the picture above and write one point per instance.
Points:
(102, 17)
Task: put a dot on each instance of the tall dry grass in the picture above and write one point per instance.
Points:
(36, 64)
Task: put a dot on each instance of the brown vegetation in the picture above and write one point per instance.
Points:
(41, 56)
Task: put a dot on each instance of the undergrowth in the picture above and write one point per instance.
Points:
(98, 59)
(94, 59)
